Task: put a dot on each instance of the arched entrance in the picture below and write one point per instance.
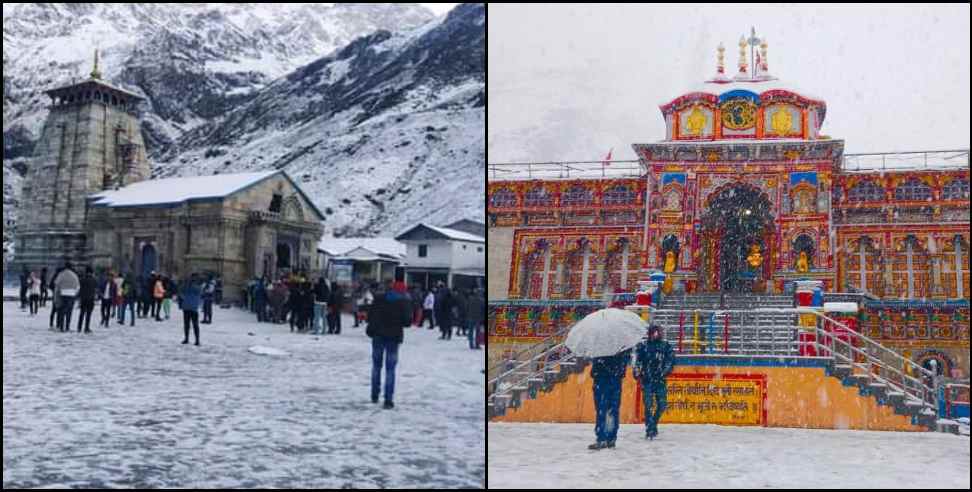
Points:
(149, 260)
(737, 228)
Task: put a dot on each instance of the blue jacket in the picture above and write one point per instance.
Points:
(612, 366)
(190, 297)
(654, 360)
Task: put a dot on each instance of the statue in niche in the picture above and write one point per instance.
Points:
(755, 258)
(803, 263)
(669, 269)
(803, 202)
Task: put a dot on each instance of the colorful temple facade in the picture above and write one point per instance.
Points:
(744, 194)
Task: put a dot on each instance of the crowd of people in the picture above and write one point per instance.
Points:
(309, 306)
(314, 306)
(143, 297)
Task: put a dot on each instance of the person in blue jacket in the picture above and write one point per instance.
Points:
(654, 360)
(190, 297)
(607, 373)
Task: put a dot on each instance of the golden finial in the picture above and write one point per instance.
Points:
(742, 54)
(762, 47)
(95, 73)
(720, 67)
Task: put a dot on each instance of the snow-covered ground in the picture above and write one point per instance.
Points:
(132, 407)
(711, 456)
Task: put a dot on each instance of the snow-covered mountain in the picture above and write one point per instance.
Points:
(386, 129)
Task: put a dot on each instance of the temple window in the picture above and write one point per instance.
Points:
(276, 203)
(912, 190)
(577, 195)
(503, 198)
(866, 191)
(619, 195)
(535, 272)
(538, 197)
(910, 269)
(956, 189)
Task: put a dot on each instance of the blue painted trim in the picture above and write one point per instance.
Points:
(669, 177)
(810, 177)
(735, 361)
(916, 304)
(739, 93)
(548, 303)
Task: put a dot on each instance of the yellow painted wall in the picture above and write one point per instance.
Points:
(795, 397)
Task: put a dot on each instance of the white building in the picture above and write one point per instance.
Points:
(349, 260)
(442, 254)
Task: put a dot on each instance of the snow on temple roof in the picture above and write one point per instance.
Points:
(177, 190)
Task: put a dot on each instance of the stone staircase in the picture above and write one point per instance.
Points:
(757, 333)
(902, 404)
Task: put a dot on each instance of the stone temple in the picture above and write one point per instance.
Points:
(88, 200)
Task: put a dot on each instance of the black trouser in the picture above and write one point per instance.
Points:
(34, 302)
(54, 314)
(44, 297)
(23, 297)
(427, 315)
(156, 308)
(207, 310)
(261, 310)
(64, 313)
(147, 305)
(87, 307)
(445, 326)
(187, 318)
(334, 322)
(105, 311)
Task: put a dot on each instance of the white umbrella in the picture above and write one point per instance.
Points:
(605, 332)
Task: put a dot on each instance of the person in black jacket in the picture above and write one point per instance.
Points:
(476, 313)
(337, 302)
(461, 302)
(107, 291)
(44, 286)
(389, 315)
(322, 295)
(443, 311)
(86, 296)
(23, 289)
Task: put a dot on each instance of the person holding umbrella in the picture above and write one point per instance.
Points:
(606, 337)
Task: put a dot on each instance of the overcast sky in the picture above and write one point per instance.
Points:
(573, 81)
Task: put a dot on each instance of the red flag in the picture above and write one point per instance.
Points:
(607, 159)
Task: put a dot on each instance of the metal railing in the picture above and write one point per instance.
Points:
(906, 161)
(519, 375)
(506, 171)
(511, 356)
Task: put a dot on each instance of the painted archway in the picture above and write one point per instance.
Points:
(737, 222)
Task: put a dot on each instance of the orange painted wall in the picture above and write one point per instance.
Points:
(795, 397)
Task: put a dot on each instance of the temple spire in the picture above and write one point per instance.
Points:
(95, 73)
